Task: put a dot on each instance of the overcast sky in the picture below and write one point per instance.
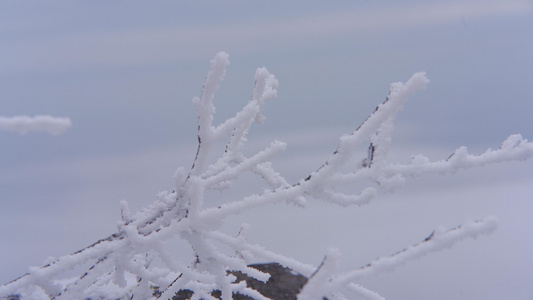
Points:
(126, 72)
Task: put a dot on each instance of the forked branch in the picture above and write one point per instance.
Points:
(134, 261)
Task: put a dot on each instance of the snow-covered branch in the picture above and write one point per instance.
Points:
(25, 124)
(328, 283)
(135, 263)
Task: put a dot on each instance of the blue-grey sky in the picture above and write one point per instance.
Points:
(125, 73)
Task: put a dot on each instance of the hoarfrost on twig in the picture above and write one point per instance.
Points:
(135, 263)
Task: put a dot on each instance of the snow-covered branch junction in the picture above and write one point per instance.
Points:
(136, 263)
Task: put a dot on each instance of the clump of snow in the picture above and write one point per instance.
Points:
(25, 124)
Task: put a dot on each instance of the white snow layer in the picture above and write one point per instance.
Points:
(25, 124)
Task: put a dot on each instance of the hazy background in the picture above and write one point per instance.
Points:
(125, 73)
